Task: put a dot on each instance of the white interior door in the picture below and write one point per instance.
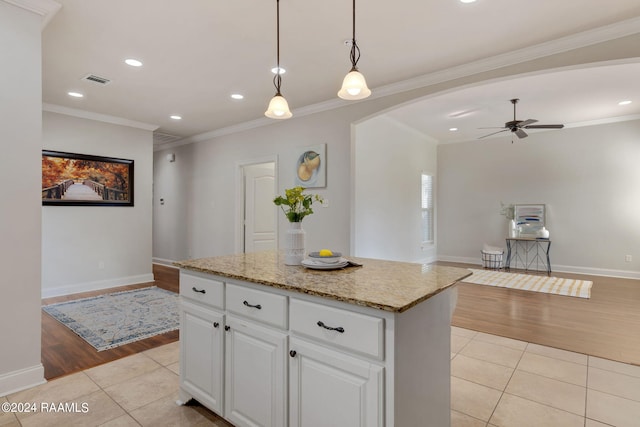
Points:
(259, 210)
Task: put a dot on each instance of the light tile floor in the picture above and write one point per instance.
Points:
(502, 382)
(495, 382)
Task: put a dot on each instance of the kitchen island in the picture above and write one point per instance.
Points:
(266, 344)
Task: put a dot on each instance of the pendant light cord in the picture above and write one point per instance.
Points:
(277, 80)
(355, 50)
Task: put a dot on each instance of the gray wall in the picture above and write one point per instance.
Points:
(199, 215)
(20, 175)
(389, 161)
(95, 247)
(588, 178)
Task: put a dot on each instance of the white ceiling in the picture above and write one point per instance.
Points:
(197, 52)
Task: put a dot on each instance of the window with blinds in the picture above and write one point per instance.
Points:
(427, 209)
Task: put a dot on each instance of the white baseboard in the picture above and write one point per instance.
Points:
(22, 379)
(626, 274)
(462, 260)
(165, 262)
(97, 285)
(426, 260)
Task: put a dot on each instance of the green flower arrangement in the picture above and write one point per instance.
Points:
(299, 204)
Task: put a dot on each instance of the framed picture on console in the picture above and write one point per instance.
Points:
(530, 217)
(71, 179)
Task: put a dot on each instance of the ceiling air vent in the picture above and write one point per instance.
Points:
(160, 138)
(96, 79)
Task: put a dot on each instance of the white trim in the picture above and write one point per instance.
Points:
(462, 260)
(22, 379)
(164, 262)
(45, 8)
(626, 274)
(94, 286)
(53, 108)
(564, 44)
(604, 121)
(590, 271)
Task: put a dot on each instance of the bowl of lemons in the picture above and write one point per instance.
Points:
(326, 255)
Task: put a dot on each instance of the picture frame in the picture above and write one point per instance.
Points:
(531, 217)
(72, 179)
(310, 169)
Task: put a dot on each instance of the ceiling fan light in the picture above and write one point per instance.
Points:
(278, 108)
(354, 87)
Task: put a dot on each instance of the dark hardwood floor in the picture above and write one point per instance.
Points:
(63, 352)
(607, 325)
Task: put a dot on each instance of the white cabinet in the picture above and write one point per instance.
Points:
(201, 355)
(330, 388)
(255, 375)
(268, 357)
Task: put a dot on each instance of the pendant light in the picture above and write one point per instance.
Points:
(278, 106)
(354, 86)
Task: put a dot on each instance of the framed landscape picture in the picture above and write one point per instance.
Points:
(70, 179)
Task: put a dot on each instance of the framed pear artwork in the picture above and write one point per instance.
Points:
(311, 167)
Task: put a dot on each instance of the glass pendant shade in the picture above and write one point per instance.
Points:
(278, 108)
(354, 87)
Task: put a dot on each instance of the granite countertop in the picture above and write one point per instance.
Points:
(385, 285)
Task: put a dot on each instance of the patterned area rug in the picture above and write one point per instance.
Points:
(528, 282)
(111, 320)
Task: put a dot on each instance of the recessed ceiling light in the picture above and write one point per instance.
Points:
(237, 96)
(274, 70)
(174, 117)
(75, 94)
(133, 62)
(624, 102)
(467, 1)
(453, 129)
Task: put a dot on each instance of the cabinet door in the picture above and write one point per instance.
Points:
(255, 375)
(328, 388)
(201, 363)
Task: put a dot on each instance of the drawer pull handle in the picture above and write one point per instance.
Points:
(258, 306)
(292, 353)
(216, 324)
(227, 327)
(202, 291)
(338, 329)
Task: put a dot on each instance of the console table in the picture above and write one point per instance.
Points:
(528, 251)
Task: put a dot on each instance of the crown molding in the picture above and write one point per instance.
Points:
(607, 120)
(561, 45)
(564, 44)
(45, 8)
(53, 108)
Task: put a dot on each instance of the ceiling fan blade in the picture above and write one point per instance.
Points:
(500, 131)
(521, 133)
(544, 126)
(526, 123)
(494, 127)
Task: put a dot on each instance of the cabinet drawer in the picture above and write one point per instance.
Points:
(352, 331)
(201, 289)
(262, 306)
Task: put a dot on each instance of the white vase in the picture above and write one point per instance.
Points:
(294, 244)
(543, 233)
(513, 229)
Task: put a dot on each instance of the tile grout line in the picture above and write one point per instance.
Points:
(507, 384)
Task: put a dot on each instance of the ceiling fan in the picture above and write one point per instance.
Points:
(518, 126)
